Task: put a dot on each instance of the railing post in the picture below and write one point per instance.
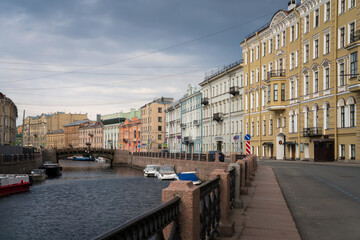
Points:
(207, 157)
(237, 201)
(244, 190)
(227, 227)
(216, 157)
(189, 209)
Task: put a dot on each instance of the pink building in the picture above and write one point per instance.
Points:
(129, 135)
(91, 135)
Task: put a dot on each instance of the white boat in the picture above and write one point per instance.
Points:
(150, 170)
(166, 173)
(100, 159)
(37, 175)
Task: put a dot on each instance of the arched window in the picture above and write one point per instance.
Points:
(291, 121)
(306, 116)
(341, 113)
(351, 111)
(326, 108)
(315, 115)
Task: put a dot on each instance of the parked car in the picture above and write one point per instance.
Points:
(189, 176)
(166, 173)
(221, 155)
(151, 170)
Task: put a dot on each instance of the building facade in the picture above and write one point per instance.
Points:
(301, 82)
(8, 116)
(191, 121)
(91, 135)
(153, 125)
(129, 135)
(173, 127)
(55, 139)
(111, 132)
(56, 121)
(222, 113)
(71, 133)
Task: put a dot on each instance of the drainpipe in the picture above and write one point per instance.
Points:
(229, 113)
(300, 63)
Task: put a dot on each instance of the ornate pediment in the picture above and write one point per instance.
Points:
(305, 71)
(314, 67)
(280, 15)
(325, 63)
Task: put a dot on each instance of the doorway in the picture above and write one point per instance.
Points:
(219, 146)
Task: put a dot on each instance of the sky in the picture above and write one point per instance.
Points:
(103, 57)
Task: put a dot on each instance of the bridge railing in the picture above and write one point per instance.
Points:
(150, 224)
(16, 158)
(180, 155)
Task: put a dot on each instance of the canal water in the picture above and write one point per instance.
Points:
(89, 199)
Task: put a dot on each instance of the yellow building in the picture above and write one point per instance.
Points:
(55, 139)
(8, 116)
(153, 124)
(302, 82)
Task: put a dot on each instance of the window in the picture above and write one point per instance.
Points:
(159, 119)
(342, 116)
(283, 92)
(292, 60)
(327, 43)
(316, 81)
(264, 72)
(270, 46)
(352, 115)
(316, 18)
(327, 78)
(327, 120)
(257, 128)
(283, 38)
(306, 84)
(264, 49)
(270, 127)
(353, 65)
(342, 151)
(306, 53)
(264, 127)
(252, 56)
(292, 33)
(316, 48)
(352, 32)
(269, 93)
(342, 37)
(342, 6)
(351, 3)
(278, 41)
(275, 92)
(342, 74)
(252, 128)
(159, 110)
(159, 146)
(352, 151)
(284, 122)
(292, 89)
(257, 52)
(307, 23)
(327, 11)
(257, 75)
(159, 128)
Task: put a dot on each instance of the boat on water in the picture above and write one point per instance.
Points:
(189, 176)
(166, 173)
(83, 158)
(150, 170)
(13, 183)
(52, 169)
(100, 160)
(37, 175)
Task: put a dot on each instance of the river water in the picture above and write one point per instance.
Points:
(89, 199)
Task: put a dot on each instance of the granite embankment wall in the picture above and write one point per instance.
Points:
(203, 168)
(19, 164)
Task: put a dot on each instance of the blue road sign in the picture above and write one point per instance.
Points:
(247, 137)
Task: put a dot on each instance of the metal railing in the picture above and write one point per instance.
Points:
(232, 174)
(210, 209)
(150, 224)
(218, 117)
(276, 73)
(222, 70)
(312, 132)
(234, 90)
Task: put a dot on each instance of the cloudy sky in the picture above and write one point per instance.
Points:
(94, 56)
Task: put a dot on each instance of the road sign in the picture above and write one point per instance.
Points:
(247, 137)
(148, 140)
(248, 151)
(139, 146)
(236, 137)
(165, 145)
(179, 137)
(280, 142)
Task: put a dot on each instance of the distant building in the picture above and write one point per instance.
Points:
(128, 115)
(91, 135)
(173, 129)
(129, 135)
(71, 133)
(153, 124)
(8, 116)
(55, 139)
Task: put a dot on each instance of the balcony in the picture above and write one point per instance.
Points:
(182, 125)
(234, 90)
(187, 139)
(205, 101)
(218, 117)
(125, 140)
(354, 40)
(312, 132)
(196, 122)
(276, 74)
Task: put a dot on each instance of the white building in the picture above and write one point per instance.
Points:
(173, 130)
(223, 108)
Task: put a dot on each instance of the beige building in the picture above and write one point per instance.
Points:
(153, 124)
(91, 135)
(36, 128)
(55, 139)
(302, 82)
(8, 116)
(72, 133)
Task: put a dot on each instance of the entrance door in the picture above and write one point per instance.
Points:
(307, 150)
(292, 151)
(280, 149)
(218, 146)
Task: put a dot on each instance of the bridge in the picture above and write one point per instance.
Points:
(95, 152)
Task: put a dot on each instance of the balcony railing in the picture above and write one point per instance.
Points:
(234, 90)
(218, 117)
(312, 132)
(196, 122)
(187, 139)
(276, 73)
(205, 101)
(182, 125)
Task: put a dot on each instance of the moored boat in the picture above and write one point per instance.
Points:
(37, 175)
(13, 183)
(52, 169)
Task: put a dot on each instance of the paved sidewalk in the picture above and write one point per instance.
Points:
(265, 214)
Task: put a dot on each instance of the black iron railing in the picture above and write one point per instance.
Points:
(232, 174)
(205, 101)
(203, 157)
(234, 90)
(218, 117)
(150, 224)
(312, 132)
(222, 70)
(210, 209)
(276, 73)
(195, 157)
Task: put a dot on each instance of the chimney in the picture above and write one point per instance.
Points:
(291, 5)
(98, 118)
